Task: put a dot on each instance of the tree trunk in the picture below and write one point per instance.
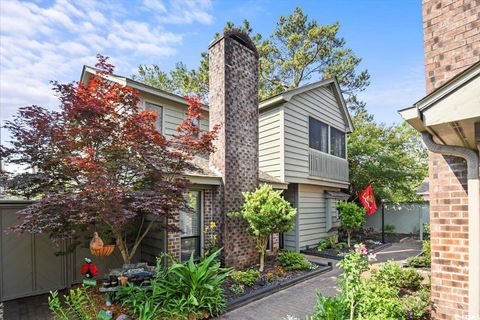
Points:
(123, 249)
(262, 261)
(348, 237)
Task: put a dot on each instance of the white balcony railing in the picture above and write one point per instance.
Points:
(324, 165)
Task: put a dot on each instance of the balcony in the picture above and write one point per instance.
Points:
(324, 165)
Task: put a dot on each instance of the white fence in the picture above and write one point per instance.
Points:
(406, 217)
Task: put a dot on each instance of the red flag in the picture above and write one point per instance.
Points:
(368, 200)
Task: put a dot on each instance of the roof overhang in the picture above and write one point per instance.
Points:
(451, 112)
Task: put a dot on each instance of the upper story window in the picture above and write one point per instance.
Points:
(325, 138)
(337, 142)
(159, 111)
(318, 135)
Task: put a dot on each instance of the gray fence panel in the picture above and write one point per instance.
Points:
(29, 265)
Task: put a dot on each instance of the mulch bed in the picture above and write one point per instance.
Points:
(271, 266)
(264, 287)
(338, 254)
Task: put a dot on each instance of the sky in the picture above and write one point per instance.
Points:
(51, 40)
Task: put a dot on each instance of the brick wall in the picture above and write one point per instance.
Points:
(452, 44)
(173, 237)
(233, 102)
(449, 235)
(451, 37)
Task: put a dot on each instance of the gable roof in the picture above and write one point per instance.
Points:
(289, 94)
(273, 100)
(134, 84)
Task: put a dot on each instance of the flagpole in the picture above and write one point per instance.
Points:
(383, 220)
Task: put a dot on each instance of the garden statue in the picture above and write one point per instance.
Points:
(89, 271)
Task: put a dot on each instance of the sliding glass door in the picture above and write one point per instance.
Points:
(191, 227)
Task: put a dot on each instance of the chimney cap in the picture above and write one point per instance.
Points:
(238, 35)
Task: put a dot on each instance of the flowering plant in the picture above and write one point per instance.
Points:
(354, 264)
(211, 238)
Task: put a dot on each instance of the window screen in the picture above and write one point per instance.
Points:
(318, 135)
(337, 142)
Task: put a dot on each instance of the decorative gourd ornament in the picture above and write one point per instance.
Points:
(97, 248)
(96, 243)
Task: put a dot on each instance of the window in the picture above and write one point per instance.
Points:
(159, 111)
(337, 143)
(318, 135)
(190, 227)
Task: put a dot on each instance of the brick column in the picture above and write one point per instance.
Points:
(452, 44)
(449, 235)
(173, 238)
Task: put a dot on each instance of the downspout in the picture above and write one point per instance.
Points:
(473, 216)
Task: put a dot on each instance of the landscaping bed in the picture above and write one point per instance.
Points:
(273, 279)
(339, 252)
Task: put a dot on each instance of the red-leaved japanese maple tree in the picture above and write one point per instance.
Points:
(100, 164)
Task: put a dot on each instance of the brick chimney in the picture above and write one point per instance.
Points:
(233, 102)
(452, 44)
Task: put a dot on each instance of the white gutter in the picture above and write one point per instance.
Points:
(473, 217)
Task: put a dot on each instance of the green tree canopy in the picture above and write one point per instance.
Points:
(299, 50)
(391, 158)
(352, 217)
(266, 212)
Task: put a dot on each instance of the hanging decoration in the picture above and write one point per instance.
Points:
(97, 248)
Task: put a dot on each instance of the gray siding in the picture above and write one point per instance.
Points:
(321, 104)
(172, 115)
(312, 214)
(270, 142)
(290, 238)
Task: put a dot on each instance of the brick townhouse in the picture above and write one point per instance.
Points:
(449, 119)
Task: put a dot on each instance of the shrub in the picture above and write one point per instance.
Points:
(393, 275)
(246, 278)
(389, 228)
(418, 306)
(323, 244)
(331, 243)
(330, 308)
(418, 262)
(78, 305)
(179, 291)
(374, 298)
(266, 212)
(237, 289)
(292, 260)
(352, 217)
(423, 261)
(378, 301)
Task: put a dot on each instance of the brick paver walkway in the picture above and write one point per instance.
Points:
(298, 300)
